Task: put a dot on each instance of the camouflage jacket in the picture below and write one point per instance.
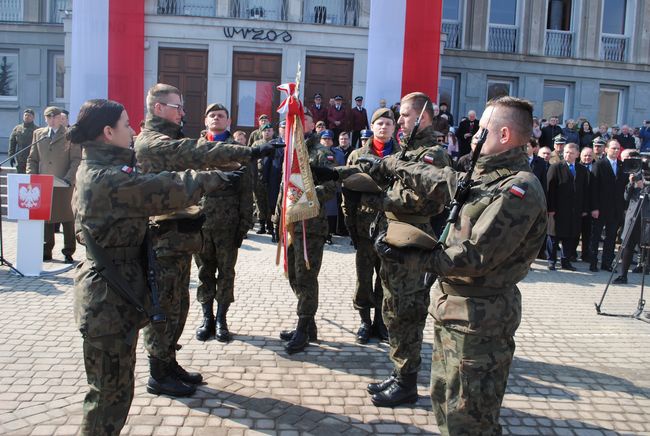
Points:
(20, 138)
(113, 201)
(319, 155)
(230, 210)
(491, 246)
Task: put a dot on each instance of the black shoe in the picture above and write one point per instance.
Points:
(403, 391)
(375, 388)
(328, 240)
(222, 333)
(207, 329)
(162, 381)
(593, 268)
(68, 259)
(379, 329)
(262, 230)
(621, 280)
(47, 256)
(300, 338)
(551, 266)
(364, 332)
(312, 331)
(639, 269)
(192, 378)
(566, 265)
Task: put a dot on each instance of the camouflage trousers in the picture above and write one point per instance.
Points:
(173, 280)
(303, 281)
(261, 198)
(406, 301)
(110, 366)
(368, 293)
(468, 380)
(219, 254)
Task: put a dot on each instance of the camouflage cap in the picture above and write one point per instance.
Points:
(215, 107)
(52, 110)
(361, 182)
(383, 112)
(403, 235)
(29, 111)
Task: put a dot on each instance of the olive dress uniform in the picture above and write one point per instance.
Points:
(20, 138)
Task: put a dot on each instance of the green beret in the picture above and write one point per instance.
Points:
(215, 107)
(383, 112)
(52, 110)
(267, 126)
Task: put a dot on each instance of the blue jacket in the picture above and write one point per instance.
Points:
(645, 138)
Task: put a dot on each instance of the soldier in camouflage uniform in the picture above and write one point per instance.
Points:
(229, 215)
(360, 210)
(476, 303)
(260, 186)
(177, 236)
(256, 134)
(112, 202)
(303, 281)
(21, 138)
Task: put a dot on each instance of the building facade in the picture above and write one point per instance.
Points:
(571, 58)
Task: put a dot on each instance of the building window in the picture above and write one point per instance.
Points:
(338, 12)
(197, 8)
(555, 101)
(614, 43)
(447, 90)
(610, 106)
(559, 15)
(11, 10)
(259, 9)
(8, 76)
(451, 23)
(503, 31)
(559, 37)
(59, 9)
(499, 88)
(57, 77)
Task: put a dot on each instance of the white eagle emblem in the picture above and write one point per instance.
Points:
(29, 196)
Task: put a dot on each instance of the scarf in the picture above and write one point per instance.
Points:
(217, 137)
(382, 149)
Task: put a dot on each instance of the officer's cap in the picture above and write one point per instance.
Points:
(283, 123)
(320, 123)
(326, 134)
(358, 98)
(383, 112)
(29, 111)
(599, 141)
(318, 95)
(365, 134)
(215, 107)
(559, 139)
(361, 182)
(52, 110)
(403, 235)
(615, 126)
(338, 97)
(65, 111)
(267, 126)
(263, 116)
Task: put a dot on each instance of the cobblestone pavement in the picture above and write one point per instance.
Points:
(574, 372)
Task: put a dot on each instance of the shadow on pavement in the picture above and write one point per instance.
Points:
(47, 285)
(518, 422)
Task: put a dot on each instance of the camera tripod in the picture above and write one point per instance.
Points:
(644, 244)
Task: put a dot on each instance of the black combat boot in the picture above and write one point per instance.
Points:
(223, 335)
(300, 337)
(375, 388)
(378, 327)
(207, 329)
(403, 391)
(275, 235)
(270, 230)
(363, 334)
(163, 382)
(312, 330)
(192, 378)
(567, 266)
(262, 230)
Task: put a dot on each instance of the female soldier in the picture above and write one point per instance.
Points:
(112, 203)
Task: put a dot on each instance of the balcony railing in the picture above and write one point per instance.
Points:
(259, 10)
(559, 43)
(453, 30)
(613, 48)
(502, 39)
(338, 12)
(59, 10)
(11, 10)
(198, 8)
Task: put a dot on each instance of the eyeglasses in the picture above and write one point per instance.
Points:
(178, 107)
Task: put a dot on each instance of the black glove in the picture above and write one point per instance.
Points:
(388, 252)
(12, 162)
(324, 174)
(232, 177)
(267, 149)
(367, 163)
(352, 197)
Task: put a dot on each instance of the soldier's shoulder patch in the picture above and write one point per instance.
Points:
(129, 170)
(429, 159)
(330, 158)
(517, 190)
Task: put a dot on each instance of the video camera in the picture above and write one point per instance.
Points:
(638, 165)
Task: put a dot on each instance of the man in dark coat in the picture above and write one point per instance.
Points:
(587, 161)
(607, 204)
(538, 166)
(337, 118)
(466, 129)
(567, 202)
(549, 132)
(358, 121)
(318, 109)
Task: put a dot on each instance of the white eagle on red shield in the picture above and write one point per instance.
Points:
(29, 196)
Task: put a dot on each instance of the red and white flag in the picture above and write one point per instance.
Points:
(403, 49)
(107, 55)
(29, 196)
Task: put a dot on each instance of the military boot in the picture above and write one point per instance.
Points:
(378, 327)
(262, 230)
(192, 378)
(403, 391)
(363, 334)
(163, 382)
(207, 329)
(312, 330)
(375, 388)
(223, 335)
(300, 337)
(270, 230)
